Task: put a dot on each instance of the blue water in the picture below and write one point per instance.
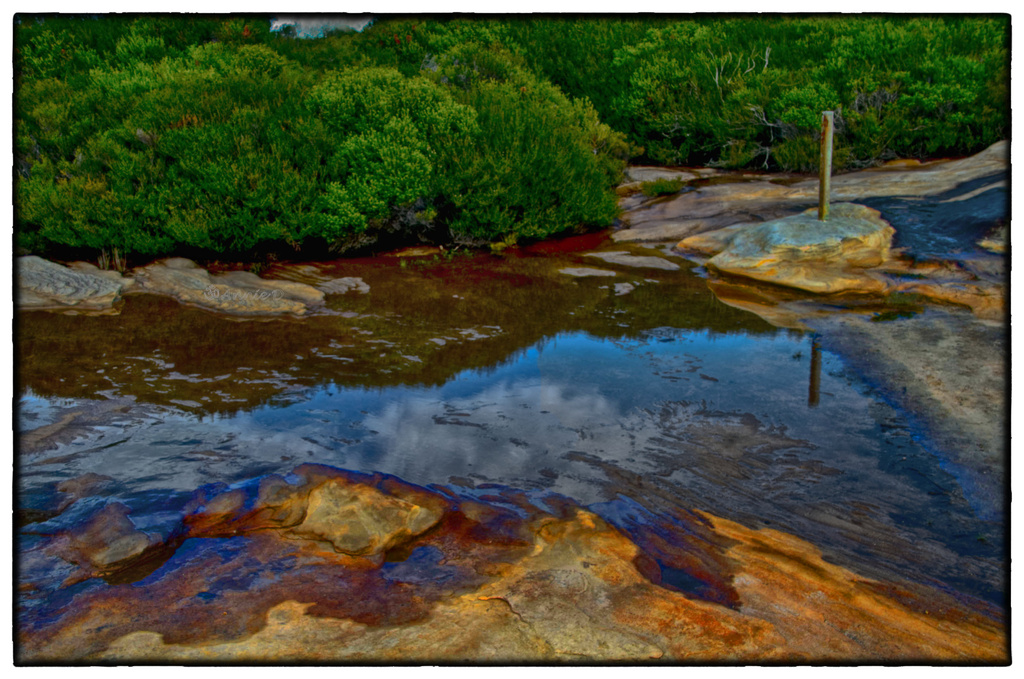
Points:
(718, 422)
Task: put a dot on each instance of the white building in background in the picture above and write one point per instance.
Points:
(314, 25)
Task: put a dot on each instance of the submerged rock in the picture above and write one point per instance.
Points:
(235, 292)
(639, 261)
(107, 540)
(584, 272)
(41, 284)
(802, 252)
(339, 286)
(86, 485)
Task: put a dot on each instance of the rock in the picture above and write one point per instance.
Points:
(42, 284)
(106, 540)
(93, 270)
(713, 242)
(361, 521)
(951, 371)
(759, 200)
(180, 263)
(801, 252)
(583, 272)
(245, 280)
(339, 286)
(357, 514)
(416, 251)
(573, 589)
(79, 487)
(997, 240)
(236, 292)
(988, 302)
(627, 259)
(323, 281)
(623, 289)
(646, 173)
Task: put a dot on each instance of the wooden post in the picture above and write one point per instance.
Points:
(825, 181)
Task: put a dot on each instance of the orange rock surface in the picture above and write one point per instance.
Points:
(489, 583)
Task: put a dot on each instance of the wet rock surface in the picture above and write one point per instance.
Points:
(704, 205)
(639, 261)
(951, 371)
(582, 271)
(503, 580)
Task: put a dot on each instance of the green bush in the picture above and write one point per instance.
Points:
(541, 164)
(152, 145)
(157, 134)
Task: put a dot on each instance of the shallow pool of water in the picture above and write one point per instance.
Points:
(481, 372)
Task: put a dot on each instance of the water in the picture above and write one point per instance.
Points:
(483, 372)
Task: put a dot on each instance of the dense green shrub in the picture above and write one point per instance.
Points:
(246, 140)
(749, 91)
(153, 134)
(532, 170)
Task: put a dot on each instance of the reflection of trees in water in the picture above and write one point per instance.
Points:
(486, 311)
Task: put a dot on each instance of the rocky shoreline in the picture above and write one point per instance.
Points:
(325, 564)
(381, 570)
(42, 284)
(747, 226)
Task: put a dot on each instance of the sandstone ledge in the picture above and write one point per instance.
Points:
(489, 584)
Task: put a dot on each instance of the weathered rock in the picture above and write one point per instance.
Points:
(248, 281)
(324, 282)
(804, 253)
(639, 261)
(785, 580)
(236, 292)
(416, 251)
(584, 272)
(712, 242)
(361, 521)
(79, 487)
(951, 370)
(647, 173)
(624, 288)
(357, 514)
(42, 284)
(988, 302)
(758, 200)
(110, 274)
(996, 241)
(108, 538)
(574, 592)
(339, 286)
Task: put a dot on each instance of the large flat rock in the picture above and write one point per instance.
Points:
(493, 584)
(802, 252)
(235, 292)
(638, 261)
(749, 199)
(42, 284)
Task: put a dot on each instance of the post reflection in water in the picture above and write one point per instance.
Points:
(814, 390)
